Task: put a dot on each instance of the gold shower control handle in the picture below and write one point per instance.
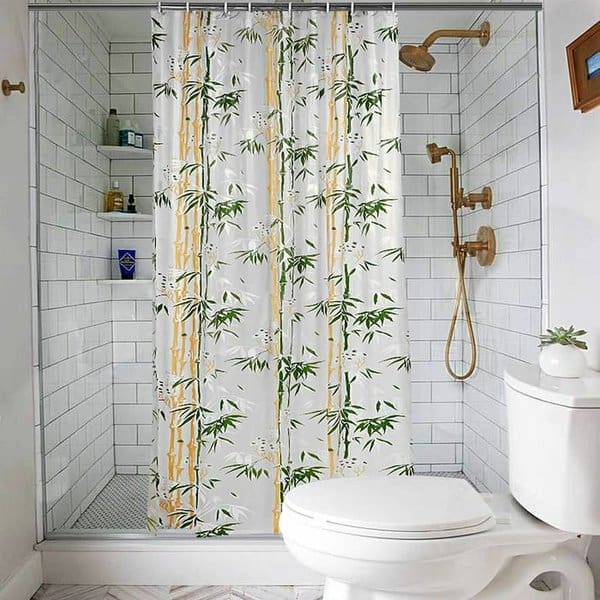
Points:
(484, 248)
(472, 200)
(8, 88)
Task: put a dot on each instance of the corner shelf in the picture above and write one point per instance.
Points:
(117, 152)
(123, 216)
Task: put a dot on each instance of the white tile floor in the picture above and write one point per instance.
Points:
(88, 592)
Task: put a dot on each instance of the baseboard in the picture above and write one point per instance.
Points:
(24, 582)
(166, 562)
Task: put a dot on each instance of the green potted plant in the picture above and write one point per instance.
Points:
(562, 352)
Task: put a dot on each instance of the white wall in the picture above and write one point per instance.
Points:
(573, 163)
(20, 572)
(573, 184)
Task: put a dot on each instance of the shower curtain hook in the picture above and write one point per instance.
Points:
(249, 6)
(290, 9)
(159, 7)
(351, 9)
(393, 7)
(187, 7)
(225, 8)
(327, 6)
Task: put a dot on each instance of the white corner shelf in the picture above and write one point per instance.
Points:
(123, 216)
(125, 281)
(117, 152)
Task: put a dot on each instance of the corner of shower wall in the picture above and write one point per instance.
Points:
(430, 113)
(71, 247)
(500, 144)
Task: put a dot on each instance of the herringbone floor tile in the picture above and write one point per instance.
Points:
(178, 592)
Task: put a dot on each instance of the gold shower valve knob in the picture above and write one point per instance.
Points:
(484, 198)
(8, 88)
(484, 248)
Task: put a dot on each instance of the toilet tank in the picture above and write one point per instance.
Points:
(554, 447)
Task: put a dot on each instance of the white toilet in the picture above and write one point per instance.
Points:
(426, 538)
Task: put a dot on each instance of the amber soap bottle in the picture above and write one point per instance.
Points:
(114, 198)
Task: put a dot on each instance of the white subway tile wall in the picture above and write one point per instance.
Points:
(131, 95)
(500, 147)
(429, 104)
(132, 376)
(74, 249)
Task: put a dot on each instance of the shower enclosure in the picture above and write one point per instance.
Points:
(96, 343)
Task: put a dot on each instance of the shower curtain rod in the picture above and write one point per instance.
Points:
(296, 6)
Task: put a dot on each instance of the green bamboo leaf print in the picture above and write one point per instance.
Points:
(281, 335)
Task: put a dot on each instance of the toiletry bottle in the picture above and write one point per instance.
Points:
(111, 133)
(131, 204)
(126, 134)
(126, 263)
(139, 140)
(114, 198)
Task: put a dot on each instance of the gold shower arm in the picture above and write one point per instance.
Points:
(483, 33)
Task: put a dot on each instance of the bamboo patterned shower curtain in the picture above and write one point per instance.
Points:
(281, 334)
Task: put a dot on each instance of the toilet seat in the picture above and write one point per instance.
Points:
(404, 508)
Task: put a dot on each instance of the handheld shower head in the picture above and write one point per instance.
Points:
(435, 153)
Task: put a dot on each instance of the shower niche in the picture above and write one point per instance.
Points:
(96, 332)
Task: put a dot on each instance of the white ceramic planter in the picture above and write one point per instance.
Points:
(557, 360)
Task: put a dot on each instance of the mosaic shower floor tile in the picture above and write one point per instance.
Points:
(120, 505)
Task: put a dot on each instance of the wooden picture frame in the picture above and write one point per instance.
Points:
(583, 57)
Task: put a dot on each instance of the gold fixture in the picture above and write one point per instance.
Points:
(484, 198)
(459, 200)
(484, 248)
(8, 88)
(419, 57)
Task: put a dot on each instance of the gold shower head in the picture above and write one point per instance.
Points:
(419, 57)
(435, 153)
(416, 57)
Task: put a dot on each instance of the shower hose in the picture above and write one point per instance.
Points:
(461, 300)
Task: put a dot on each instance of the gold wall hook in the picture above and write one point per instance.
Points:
(8, 88)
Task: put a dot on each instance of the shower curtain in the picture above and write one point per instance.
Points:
(281, 336)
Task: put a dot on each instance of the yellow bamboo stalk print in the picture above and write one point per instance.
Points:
(273, 193)
(179, 341)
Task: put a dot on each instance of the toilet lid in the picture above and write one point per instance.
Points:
(402, 507)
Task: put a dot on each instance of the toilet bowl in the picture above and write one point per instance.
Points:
(427, 538)
(430, 539)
